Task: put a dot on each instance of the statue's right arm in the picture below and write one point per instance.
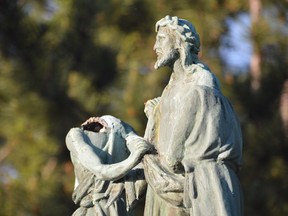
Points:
(76, 144)
(167, 185)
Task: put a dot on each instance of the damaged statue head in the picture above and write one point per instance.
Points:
(191, 151)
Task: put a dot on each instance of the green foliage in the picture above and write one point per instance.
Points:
(64, 61)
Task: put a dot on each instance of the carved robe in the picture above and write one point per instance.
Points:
(199, 144)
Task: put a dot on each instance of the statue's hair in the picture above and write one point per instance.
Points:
(184, 29)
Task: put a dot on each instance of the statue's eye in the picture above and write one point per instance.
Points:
(160, 39)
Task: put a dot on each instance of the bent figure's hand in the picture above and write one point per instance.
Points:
(138, 147)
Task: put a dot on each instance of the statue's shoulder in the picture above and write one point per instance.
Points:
(202, 76)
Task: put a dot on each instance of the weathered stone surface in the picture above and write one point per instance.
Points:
(195, 131)
(104, 153)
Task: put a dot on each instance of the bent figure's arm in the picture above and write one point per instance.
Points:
(75, 141)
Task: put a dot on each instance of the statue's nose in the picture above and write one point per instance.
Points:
(155, 46)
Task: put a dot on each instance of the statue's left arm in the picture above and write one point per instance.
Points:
(77, 144)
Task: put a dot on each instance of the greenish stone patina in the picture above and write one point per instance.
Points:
(105, 152)
(194, 130)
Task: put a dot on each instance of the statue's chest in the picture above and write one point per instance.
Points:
(172, 98)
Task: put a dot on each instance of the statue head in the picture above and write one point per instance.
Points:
(176, 38)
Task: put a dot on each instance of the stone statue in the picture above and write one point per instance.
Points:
(104, 153)
(195, 132)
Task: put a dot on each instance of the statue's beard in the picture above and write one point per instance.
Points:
(167, 59)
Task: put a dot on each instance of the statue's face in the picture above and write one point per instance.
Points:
(165, 49)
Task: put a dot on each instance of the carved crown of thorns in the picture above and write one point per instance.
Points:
(183, 28)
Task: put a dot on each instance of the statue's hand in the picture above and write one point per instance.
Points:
(114, 191)
(139, 147)
(167, 185)
(162, 180)
(150, 105)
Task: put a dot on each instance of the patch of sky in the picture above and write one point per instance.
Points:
(235, 45)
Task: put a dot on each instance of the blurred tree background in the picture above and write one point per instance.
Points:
(62, 61)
